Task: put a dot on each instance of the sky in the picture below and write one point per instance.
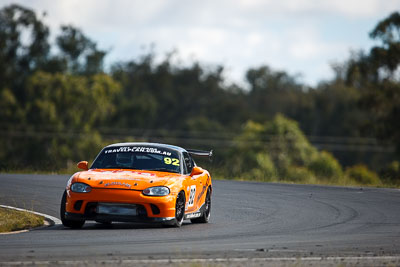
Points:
(301, 37)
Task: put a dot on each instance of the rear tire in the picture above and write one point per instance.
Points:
(66, 222)
(205, 217)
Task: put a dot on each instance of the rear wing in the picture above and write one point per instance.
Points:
(200, 153)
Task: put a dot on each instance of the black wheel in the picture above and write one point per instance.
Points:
(179, 211)
(205, 217)
(66, 222)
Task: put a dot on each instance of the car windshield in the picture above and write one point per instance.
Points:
(138, 158)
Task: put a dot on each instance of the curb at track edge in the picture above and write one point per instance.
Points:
(49, 220)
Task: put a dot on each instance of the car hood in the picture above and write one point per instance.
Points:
(123, 179)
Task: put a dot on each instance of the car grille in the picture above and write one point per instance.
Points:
(91, 208)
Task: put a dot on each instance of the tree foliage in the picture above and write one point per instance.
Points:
(59, 106)
(377, 76)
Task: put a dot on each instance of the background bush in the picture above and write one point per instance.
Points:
(326, 167)
(390, 174)
(362, 175)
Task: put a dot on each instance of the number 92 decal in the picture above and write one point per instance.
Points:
(171, 161)
(192, 195)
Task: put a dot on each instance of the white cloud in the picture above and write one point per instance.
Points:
(348, 8)
(293, 35)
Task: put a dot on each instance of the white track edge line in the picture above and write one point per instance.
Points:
(211, 260)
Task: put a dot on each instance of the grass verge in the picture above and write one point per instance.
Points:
(341, 181)
(14, 220)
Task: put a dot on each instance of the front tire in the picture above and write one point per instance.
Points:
(179, 211)
(205, 217)
(66, 222)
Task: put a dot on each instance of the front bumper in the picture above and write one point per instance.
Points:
(117, 218)
(83, 206)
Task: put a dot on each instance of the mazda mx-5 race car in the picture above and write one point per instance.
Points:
(139, 182)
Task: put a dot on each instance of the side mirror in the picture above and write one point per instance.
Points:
(83, 165)
(196, 171)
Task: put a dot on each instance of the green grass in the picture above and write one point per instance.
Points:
(343, 181)
(14, 220)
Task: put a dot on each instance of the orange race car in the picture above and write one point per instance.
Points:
(139, 182)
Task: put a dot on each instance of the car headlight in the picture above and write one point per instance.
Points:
(80, 188)
(156, 191)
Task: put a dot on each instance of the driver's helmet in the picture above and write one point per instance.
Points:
(125, 159)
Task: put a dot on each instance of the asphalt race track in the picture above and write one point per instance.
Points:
(249, 220)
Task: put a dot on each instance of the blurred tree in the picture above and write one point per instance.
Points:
(333, 111)
(79, 52)
(68, 101)
(377, 76)
(24, 48)
(62, 115)
(166, 96)
(272, 92)
(49, 100)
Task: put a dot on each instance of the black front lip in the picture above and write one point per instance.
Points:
(116, 218)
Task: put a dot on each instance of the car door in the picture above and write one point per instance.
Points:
(193, 184)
